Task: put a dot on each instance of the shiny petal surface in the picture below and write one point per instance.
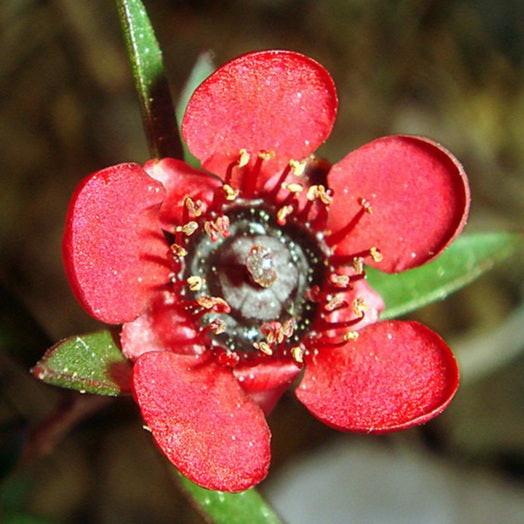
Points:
(113, 247)
(181, 181)
(266, 382)
(269, 100)
(418, 194)
(163, 326)
(202, 420)
(395, 375)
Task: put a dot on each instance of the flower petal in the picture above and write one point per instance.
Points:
(113, 247)
(202, 420)
(266, 381)
(163, 326)
(395, 375)
(419, 198)
(181, 181)
(268, 100)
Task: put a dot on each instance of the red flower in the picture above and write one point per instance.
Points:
(229, 285)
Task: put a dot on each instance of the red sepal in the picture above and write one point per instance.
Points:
(419, 198)
(114, 250)
(202, 420)
(395, 375)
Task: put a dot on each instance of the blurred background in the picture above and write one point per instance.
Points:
(448, 69)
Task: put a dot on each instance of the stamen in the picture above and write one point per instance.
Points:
(220, 226)
(195, 283)
(217, 326)
(375, 254)
(337, 302)
(359, 307)
(193, 207)
(350, 335)
(187, 229)
(178, 250)
(244, 158)
(298, 166)
(334, 238)
(283, 213)
(293, 187)
(319, 192)
(337, 280)
(264, 347)
(358, 265)
(297, 352)
(231, 194)
(217, 304)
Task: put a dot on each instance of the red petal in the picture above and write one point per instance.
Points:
(181, 181)
(268, 100)
(164, 326)
(202, 420)
(265, 382)
(418, 194)
(113, 246)
(394, 376)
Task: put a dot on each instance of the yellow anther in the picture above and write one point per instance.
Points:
(178, 250)
(358, 264)
(359, 306)
(194, 283)
(298, 166)
(244, 158)
(264, 347)
(283, 213)
(365, 205)
(375, 254)
(350, 335)
(319, 192)
(231, 194)
(335, 303)
(293, 187)
(297, 353)
(218, 326)
(211, 302)
(193, 207)
(188, 229)
(339, 280)
(266, 154)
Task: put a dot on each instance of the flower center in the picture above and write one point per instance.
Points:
(262, 271)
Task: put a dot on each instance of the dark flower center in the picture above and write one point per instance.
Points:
(262, 271)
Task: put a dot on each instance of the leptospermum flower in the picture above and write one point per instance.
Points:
(231, 284)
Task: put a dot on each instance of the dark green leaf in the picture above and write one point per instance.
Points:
(151, 83)
(229, 508)
(466, 259)
(89, 363)
(201, 70)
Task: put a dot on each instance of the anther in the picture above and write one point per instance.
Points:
(376, 254)
(319, 192)
(231, 194)
(337, 302)
(283, 213)
(193, 207)
(337, 280)
(266, 154)
(298, 166)
(297, 352)
(264, 347)
(350, 335)
(194, 283)
(359, 307)
(244, 158)
(293, 187)
(220, 226)
(178, 250)
(358, 265)
(365, 205)
(217, 304)
(188, 229)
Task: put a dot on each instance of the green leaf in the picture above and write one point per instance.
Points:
(465, 260)
(151, 83)
(229, 508)
(90, 364)
(203, 67)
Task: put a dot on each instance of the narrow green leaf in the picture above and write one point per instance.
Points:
(203, 67)
(229, 508)
(89, 363)
(151, 83)
(466, 259)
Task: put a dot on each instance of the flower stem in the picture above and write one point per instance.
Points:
(158, 113)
